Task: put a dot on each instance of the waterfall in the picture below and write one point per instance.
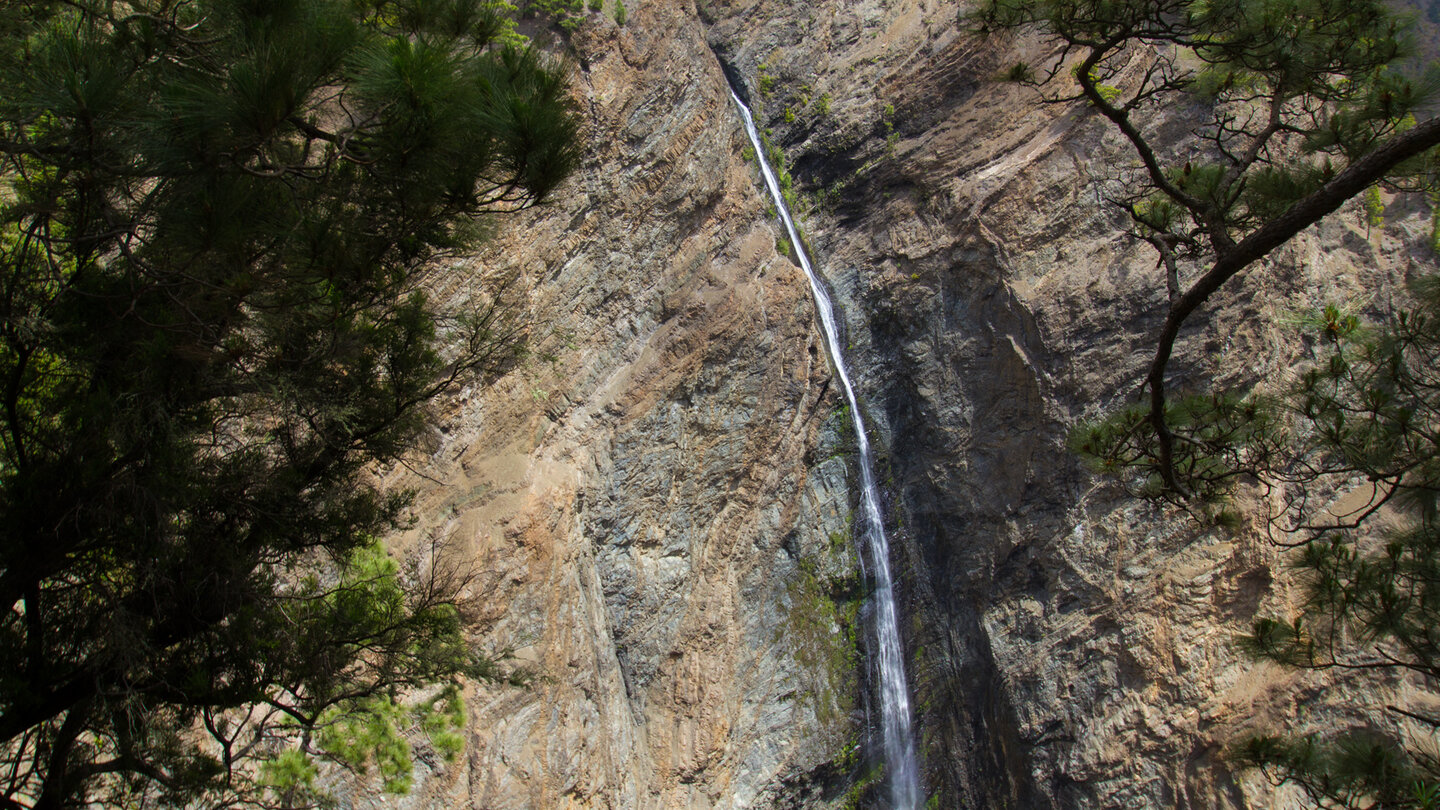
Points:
(898, 735)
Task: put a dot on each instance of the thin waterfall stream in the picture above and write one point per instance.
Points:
(901, 769)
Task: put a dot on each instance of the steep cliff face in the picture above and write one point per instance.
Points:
(645, 502)
(654, 503)
(1072, 648)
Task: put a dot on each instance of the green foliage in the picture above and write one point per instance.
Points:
(765, 80)
(212, 327)
(1354, 770)
(1302, 111)
(443, 720)
(369, 732)
(802, 96)
(1432, 196)
(596, 6)
(1213, 82)
(1367, 412)
(822, 104)
(1020, 72)
(1272, 191)
(1373, 403)
(1203, 180)
(864, 786)
(1374, 208)
(1106, 93)
(1157, 213)
(568, 14)
(288, 772)
(823, 630)
(376, 732)
(1224, 439)
(620, 14)
(776, 157)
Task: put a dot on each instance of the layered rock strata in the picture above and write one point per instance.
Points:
(646, 501)
(654, 503)
(1073, 648)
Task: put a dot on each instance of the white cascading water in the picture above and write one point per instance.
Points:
(898, 736)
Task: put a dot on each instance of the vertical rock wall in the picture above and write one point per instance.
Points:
(654, 502)
(1071, 647)
(643, 500)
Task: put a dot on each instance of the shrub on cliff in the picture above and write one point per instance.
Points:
(213, 221)
(568, 14)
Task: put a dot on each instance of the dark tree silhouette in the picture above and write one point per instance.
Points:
(213, 222)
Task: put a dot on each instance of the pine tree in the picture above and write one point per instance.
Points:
(1299, 108)
(1369, 412)
(214, 223)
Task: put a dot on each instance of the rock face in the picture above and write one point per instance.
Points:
(653, 504)
(645, 501)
